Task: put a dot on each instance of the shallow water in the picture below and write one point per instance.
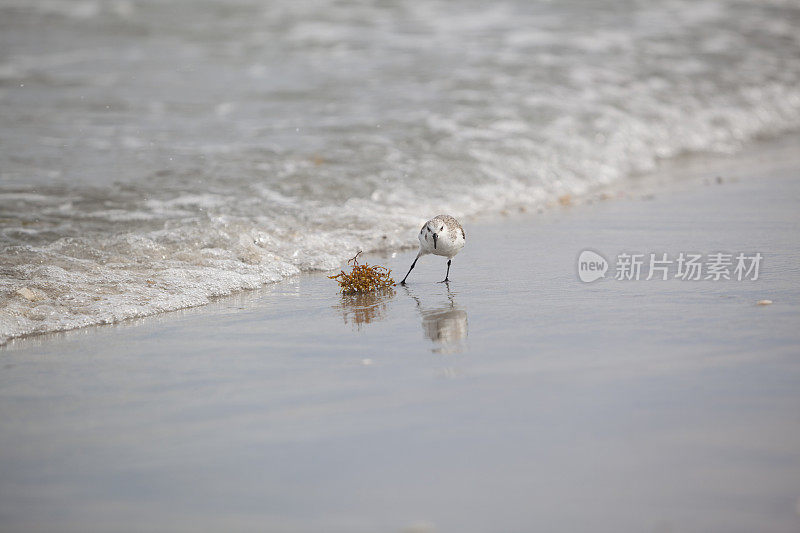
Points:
(515, 399)
(154, 154)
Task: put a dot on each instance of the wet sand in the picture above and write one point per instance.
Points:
(516, 398)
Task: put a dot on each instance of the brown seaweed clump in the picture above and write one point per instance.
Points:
(363, 278)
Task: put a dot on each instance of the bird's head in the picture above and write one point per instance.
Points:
(436, 228)
(430, 232)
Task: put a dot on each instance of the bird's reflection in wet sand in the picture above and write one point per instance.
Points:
(361, 309)
(443, 322)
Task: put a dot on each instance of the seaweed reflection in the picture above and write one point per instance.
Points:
(364, 308)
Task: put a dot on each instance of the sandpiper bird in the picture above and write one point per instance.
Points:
(441, 235)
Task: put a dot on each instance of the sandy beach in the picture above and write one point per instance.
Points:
(516, 398)
(616, 351)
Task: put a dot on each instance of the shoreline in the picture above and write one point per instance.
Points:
(694, 170)
(515, 397)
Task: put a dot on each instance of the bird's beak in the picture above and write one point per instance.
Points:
(435, 236)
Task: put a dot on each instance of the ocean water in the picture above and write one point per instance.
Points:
(157, 153)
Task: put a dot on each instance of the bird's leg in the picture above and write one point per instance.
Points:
(410, 269)
(446, 276)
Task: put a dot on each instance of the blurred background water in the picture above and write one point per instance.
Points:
(156, 153)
